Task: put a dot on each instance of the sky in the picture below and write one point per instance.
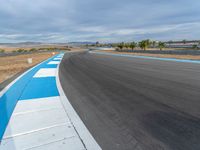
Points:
(98, 20)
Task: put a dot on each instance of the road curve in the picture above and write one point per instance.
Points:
(135, 103)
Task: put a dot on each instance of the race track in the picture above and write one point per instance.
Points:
(135, 103)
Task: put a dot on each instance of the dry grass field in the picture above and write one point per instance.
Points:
(11, 49)
(11, 65)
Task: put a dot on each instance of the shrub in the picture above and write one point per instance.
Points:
(195, 46)
(2, 51)
(20, 50)
(33, 50)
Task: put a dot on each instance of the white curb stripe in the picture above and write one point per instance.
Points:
(57, 59)
(45, 72)
(53, 62)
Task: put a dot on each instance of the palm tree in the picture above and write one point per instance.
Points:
(121, 45)
(144, 44)
(161, 45)
(133, 45)
(126, 45)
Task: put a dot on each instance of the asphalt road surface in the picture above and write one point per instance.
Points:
(135, 103)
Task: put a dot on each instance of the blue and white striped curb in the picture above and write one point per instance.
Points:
(149, 57)
(36, 114)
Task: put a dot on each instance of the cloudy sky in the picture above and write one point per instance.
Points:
(102, 20)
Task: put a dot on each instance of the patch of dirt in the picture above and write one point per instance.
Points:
(11, 65)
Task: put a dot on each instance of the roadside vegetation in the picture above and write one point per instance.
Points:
(161, 45)
(148, 44)
(32, 50)
(143, 45)
(2, 51)
(168, 49)
(195, 46)
(41, 49)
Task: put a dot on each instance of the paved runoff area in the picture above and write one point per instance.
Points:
(35, 113)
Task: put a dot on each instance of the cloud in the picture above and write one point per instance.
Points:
(105, 20)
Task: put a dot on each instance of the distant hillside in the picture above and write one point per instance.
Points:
(29, 44)
(80, 43)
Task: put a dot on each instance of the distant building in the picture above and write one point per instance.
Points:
(182, 44)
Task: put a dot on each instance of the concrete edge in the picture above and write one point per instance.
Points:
(88, 140)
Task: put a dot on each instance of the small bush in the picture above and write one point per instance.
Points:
(195, 46)
(2, 51)
(20, 50)
(33, 50)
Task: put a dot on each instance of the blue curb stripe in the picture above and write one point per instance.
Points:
(40, 88)
(21, 89)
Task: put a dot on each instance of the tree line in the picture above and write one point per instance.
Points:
(144, 44)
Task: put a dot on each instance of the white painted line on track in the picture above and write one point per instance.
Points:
(86, 137)
(57, 59)
(53, 62)
(45, 72)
